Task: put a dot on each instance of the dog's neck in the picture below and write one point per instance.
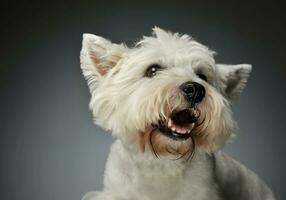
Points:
(162, 166)
(150, 165)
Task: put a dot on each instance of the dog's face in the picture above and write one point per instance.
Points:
(166, 95)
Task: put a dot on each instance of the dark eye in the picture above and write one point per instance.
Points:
(152, 70)
(202, 76)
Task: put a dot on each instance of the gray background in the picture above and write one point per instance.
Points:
(49, 147)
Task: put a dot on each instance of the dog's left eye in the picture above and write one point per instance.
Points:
(152, 70)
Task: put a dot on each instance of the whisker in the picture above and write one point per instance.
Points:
(151, 144)
(193, 150)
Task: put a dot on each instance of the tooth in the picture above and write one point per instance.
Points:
(190, 126)
(173, 129)
(169, 123)
(196, 113)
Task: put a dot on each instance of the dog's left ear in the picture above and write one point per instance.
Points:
(98, 55)
(233, 78)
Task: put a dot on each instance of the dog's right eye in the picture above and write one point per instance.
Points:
(202, 76)
(152, 70)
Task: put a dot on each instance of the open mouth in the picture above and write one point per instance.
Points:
(180, 124)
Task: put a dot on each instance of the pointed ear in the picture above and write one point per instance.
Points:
(234, 78)
(98, 55)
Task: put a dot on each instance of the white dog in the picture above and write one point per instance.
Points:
(169, 105)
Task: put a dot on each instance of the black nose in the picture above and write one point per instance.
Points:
(194, 92)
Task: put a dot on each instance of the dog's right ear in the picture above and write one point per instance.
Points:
(98, 55)
(233, 78)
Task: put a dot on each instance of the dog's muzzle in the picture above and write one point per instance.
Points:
(180, 124)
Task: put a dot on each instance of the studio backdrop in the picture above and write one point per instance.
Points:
(49, 147)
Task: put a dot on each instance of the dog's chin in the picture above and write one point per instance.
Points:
(179, 125)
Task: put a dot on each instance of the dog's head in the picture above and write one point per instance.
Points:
(166, 95)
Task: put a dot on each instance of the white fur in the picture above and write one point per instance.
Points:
(127, 104)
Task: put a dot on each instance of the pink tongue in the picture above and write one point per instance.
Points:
(180, 129)
(189, 127)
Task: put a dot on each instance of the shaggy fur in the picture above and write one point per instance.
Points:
(145, 164)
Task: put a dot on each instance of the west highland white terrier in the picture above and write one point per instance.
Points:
(168, 104)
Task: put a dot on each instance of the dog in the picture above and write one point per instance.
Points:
(168, 104)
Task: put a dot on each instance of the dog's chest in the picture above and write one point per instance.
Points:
(175, 181)
(143, 177)
(154, 187)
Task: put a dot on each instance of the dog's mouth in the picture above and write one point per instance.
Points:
(180, 124)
